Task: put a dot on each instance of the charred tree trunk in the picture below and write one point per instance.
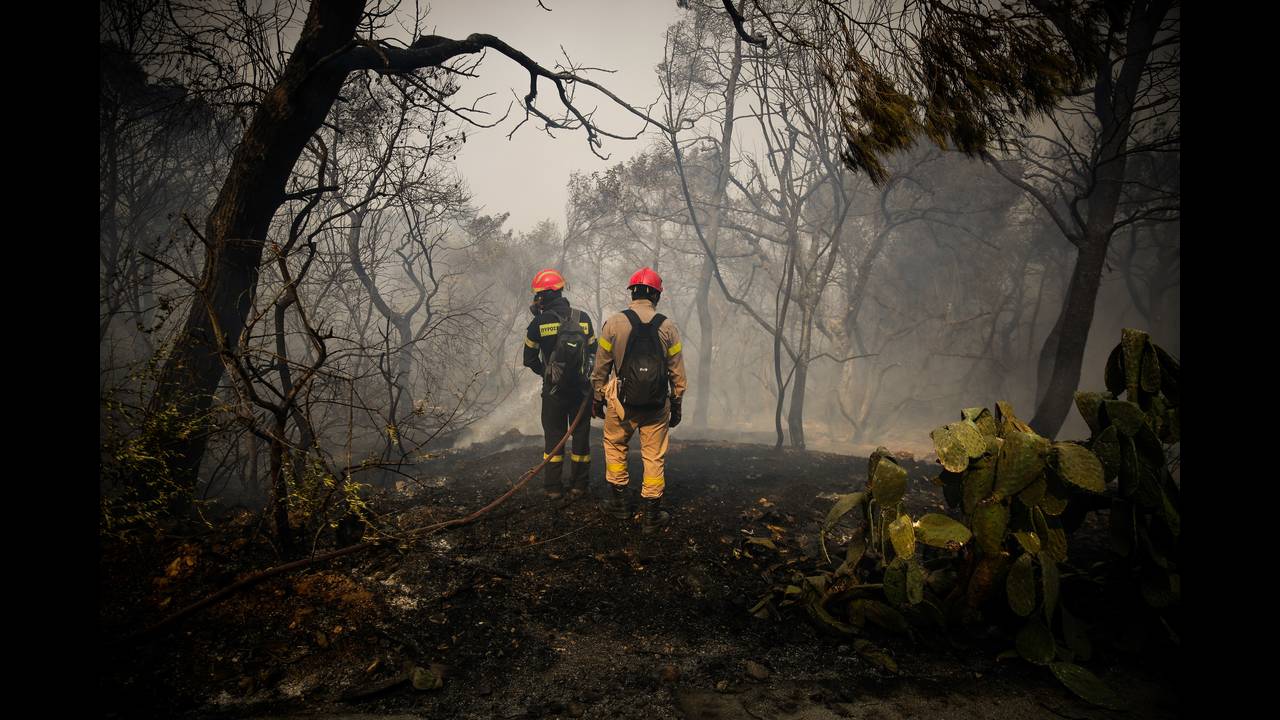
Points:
(237, 226)
(702, 394)
(305, 436)
(1113, 104)
(1072, 334)
(795, 414)
(280, 489)
(707, 339)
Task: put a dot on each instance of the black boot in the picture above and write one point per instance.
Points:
(654, 516)
(616, 506)
(578, 480)
(553, 487)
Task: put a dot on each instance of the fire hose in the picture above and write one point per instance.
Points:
(258, 577)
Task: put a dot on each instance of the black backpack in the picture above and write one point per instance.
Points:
(642, 379)
(569, 364)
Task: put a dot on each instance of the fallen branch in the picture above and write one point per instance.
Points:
(258, 577)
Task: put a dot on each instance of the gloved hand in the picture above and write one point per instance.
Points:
(597, 407)
(675, 411)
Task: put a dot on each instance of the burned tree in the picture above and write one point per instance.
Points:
(337, 39)
(1080, 170)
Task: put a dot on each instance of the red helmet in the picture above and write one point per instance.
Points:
(646, 276)
(547, 280)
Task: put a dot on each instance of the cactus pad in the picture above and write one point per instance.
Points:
(941, 531)
(903, 536)
(989, 524)
(1020, 586)
(1035, 642)
(1021, 461)
(1085, 684)
(1079, 467)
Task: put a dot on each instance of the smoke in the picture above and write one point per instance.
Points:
(521, 413)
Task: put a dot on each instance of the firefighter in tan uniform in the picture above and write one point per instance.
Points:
(641, 348)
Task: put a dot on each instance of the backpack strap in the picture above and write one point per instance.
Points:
(633, 317)
(575, 317)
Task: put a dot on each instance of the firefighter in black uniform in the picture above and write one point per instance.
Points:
(559, 404)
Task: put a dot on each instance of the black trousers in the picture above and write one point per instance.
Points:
(557, 413)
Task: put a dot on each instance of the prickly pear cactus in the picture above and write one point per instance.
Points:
(1135, 429)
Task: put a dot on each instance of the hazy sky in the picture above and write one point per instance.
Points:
(527, 174)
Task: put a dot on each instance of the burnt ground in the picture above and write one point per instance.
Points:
(547, 609)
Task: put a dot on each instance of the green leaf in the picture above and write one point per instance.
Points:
(841, 507)
(1050, 579)
(957, 443)
(938, 530)
(1132, 343)
(1035, 642)
(989, 524)
(1022, 459)
(1052, 538)
(914, 582)
(985, 575)
(880, 453)
(1127, 417)
(1029, 541)
(941, 581)
(895, 582)
(1056, 496)
(873, 654)
(1114, 374)
(826, 621)
(1085, 684)
(982, 418)
(1149, 373)
(1032, 494)
(1088, 404)
(973, 439)
(1078, 466)
(1020, 586)
(903, 536)
(853, 555)
(1006, 421)
(978, 482)
(889, 483)
(1107, 447)
(882, 614)
(993, 446)
(1170, 373)
(1129, 467)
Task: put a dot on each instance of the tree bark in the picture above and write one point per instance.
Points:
(1114, 97)
(702, 400)
(236, 229)
(1073, 332)
(702, 393)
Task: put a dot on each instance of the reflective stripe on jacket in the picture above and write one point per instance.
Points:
(540, 336)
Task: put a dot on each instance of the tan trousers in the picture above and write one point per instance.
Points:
(652, 425)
